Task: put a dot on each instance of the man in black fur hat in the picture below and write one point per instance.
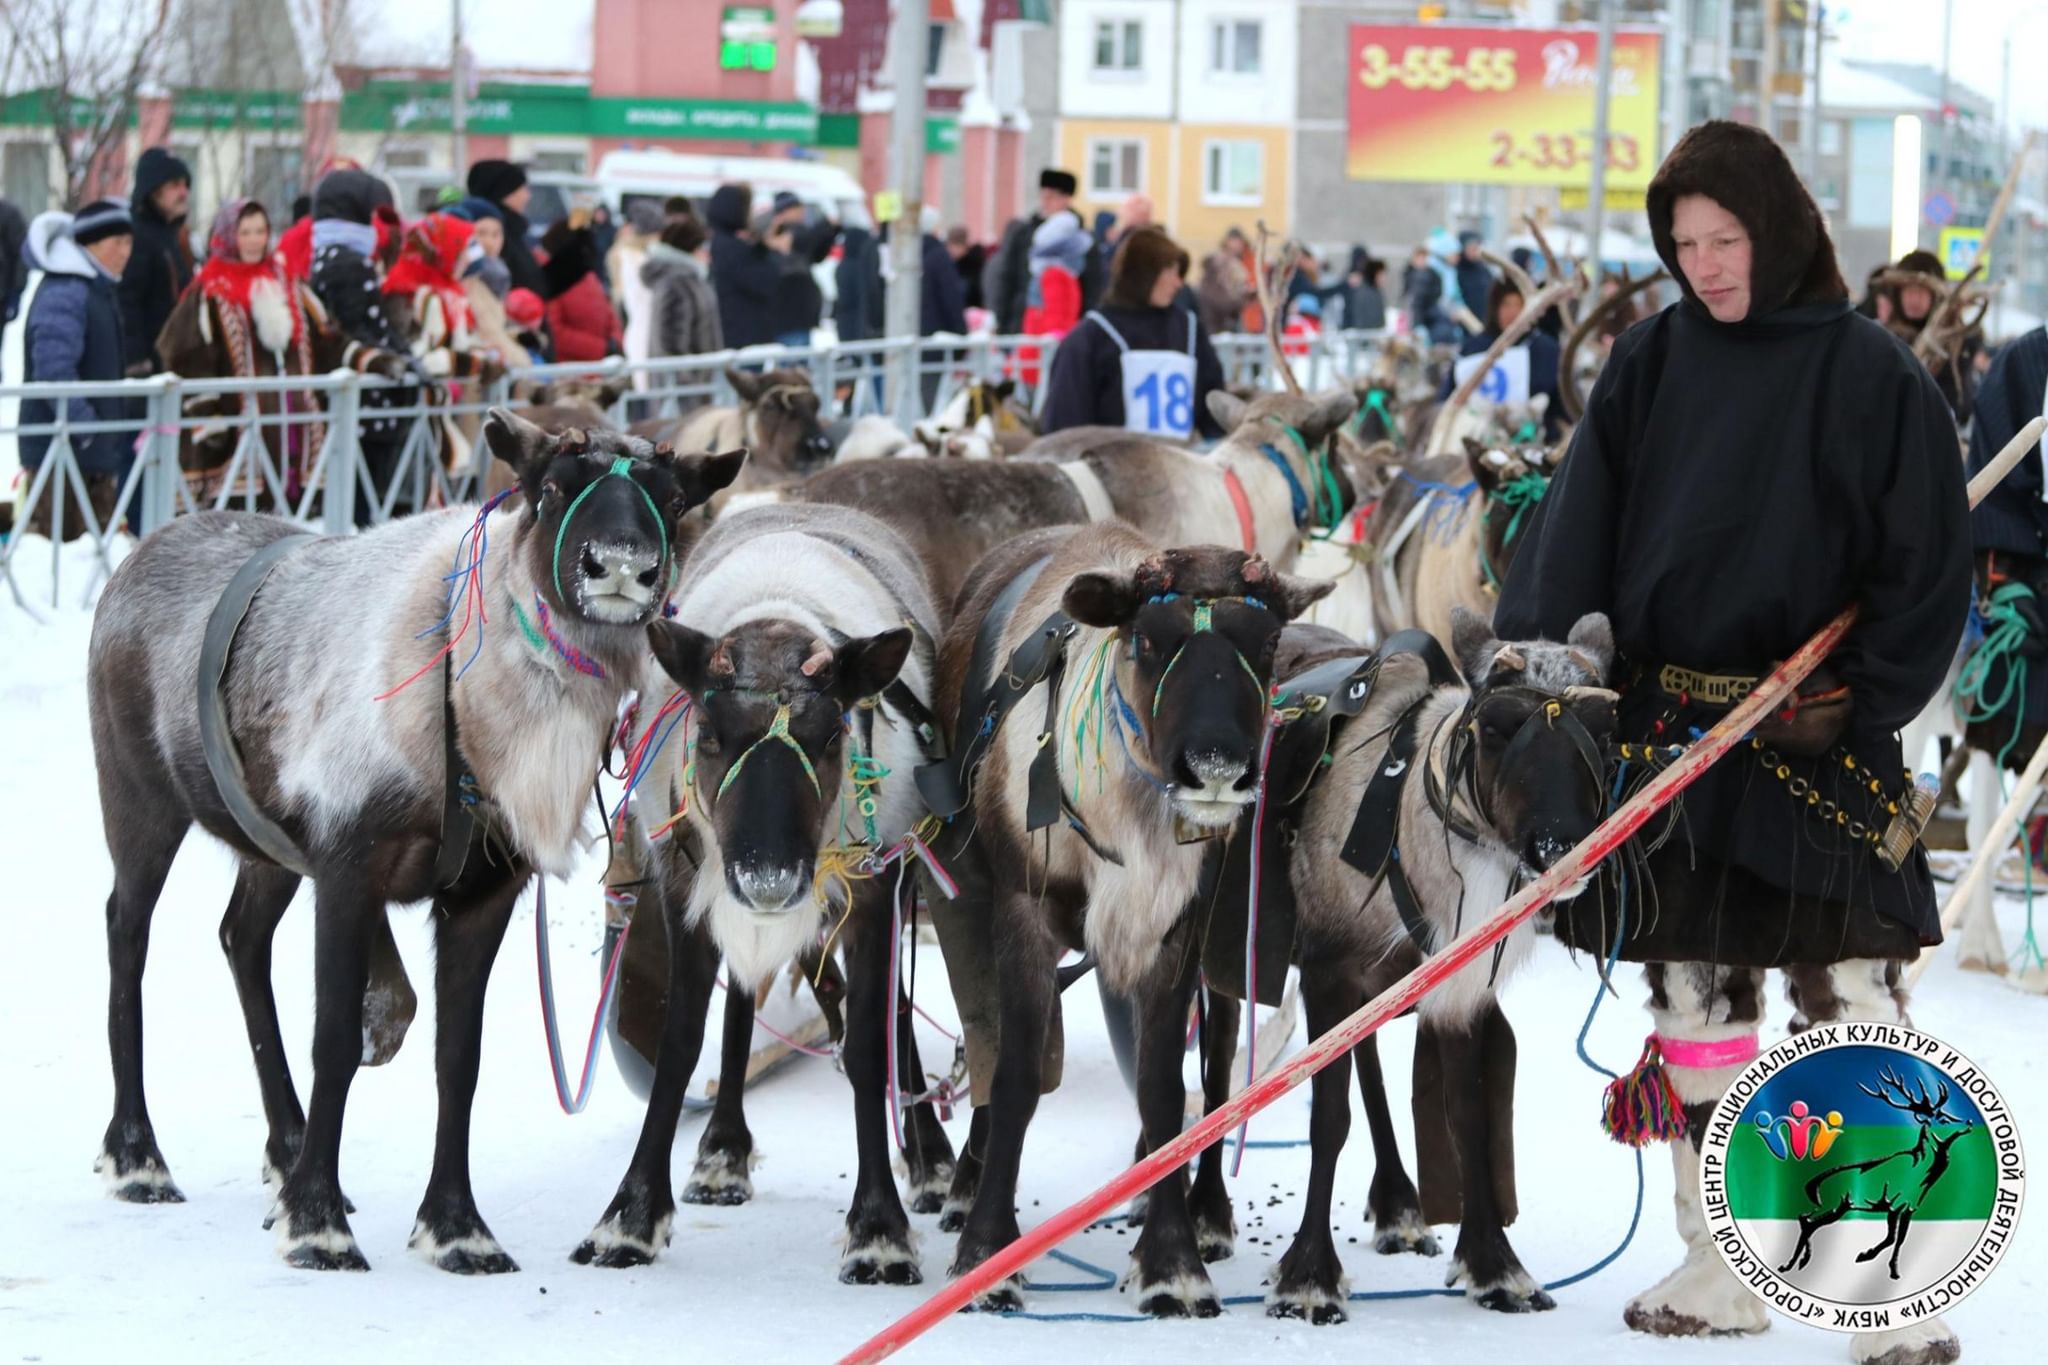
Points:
(1009, 273)
(1752, 459)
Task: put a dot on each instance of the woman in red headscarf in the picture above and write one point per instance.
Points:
(424, 294)
(243, 317)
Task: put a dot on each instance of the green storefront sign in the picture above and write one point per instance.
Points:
(499, 107)
(233, 109)
(736, 120)
(941, 135)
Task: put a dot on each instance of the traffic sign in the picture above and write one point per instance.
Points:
(1939, 210)
(1959, 249)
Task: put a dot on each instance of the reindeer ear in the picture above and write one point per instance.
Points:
(1486, 465)
(1473, 644)
(1593, 637)
(1332, 410)
(1291, 595)
(747, 385)
(862, 668)
(699, 476)
(1227, 408)
(684, 654)
(608, 396)
(522, 445)
(1101, 600)
(1004, 390)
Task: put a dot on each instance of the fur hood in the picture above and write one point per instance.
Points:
(50, 246)
(1138, 263)
(1742, 169)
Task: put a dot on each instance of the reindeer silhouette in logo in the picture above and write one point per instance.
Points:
(1927, 1159)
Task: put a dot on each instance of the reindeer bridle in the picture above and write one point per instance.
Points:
(622, 468)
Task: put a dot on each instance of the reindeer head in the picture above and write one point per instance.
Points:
(609, 510)
(771, 703)
(1196, 630)
(1513, 476)
(1927, 1109)
(782, 411)
(1538, 726)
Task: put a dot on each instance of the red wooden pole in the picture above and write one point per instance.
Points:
(1636, 812)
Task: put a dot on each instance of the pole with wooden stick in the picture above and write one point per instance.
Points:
(1546, 298)
(1174, 1155)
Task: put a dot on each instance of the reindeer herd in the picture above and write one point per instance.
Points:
(1060, 699)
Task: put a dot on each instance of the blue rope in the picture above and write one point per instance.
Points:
(1296, 494)
(1106, 1279)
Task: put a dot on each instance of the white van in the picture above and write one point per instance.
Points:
(624, 177)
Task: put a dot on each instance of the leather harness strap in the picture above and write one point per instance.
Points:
(1235, 487)
(216, 736)
(224, 758)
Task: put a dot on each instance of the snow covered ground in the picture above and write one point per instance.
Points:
(83, 1278)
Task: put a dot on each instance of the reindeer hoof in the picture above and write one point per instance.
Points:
(1006, 1297)
(953, 1214)
(327, 1249)
(928, 1195)
(1317, 1307)
(728, 1196)
(474, 1252)
(1502, 1299)
(138, 1177)
(612, 1246)
(1925, 1343)
(867, 1270)
(1395, 1241)
(720, 1178)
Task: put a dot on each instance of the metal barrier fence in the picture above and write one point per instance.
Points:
(309, 447)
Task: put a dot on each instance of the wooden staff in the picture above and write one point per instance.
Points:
(1659, 792)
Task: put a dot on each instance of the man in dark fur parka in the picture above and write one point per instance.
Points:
(1754, 458)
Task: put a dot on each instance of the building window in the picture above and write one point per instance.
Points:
(1234, 47)
(1233, 172)
(1120, 45)
(1116, 165)
(1831, 137)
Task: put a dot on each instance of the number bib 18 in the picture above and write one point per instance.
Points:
(1159, 386)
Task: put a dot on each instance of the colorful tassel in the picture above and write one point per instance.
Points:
(1643, 1106)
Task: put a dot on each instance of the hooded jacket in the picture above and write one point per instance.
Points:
(161, 265)
(1732, 486)
(580, 315)
(744, 274)
(347, 284)
(1086, 385)
(74, 332)
(491, 181)
(683, 309)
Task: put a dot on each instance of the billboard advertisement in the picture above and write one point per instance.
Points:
(1497, 106)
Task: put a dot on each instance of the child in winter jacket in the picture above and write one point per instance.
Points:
(1059, 253)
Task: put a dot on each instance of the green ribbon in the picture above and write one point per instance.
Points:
(2005, 634)
(1518, 494)
(1205, 615)
(778, 732)
(622, 467)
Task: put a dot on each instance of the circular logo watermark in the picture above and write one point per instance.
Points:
(1862, 1177)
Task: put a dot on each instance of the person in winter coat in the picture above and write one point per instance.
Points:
(799, 245)
(1475, 276)
(423, 291)
(75, 333)
(1503, 306)
(1226, 286)
(162, 263)
(1009, 272)
(942, 306)
(580, 317)
(1139, 345)
(347, 205)
(1751, 460)
(1059, 256)
(244, 318)
(503, 183)
(1364, 293)
(1913, 306)
(857, 312)
(2010, 529)
(970, 259)
(13, 260)
(682, 306)
(486, 281)
(623, 267)
(744, 272)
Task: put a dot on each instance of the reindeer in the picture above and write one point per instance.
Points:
(984, 420)
(1384, 870)
(1154, 714)
(1445, 532)
(312, 755)
(776, 420)
(803, 644)
(957, 511)
(1927, 1159)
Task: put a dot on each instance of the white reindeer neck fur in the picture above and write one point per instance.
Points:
(791, 576)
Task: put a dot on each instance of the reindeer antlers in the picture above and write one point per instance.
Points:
(1916, 1101)
(1272, 291)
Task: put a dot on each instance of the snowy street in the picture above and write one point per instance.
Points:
(83, 1278)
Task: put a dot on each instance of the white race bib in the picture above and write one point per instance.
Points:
(1506, 382)
(1159, 386)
